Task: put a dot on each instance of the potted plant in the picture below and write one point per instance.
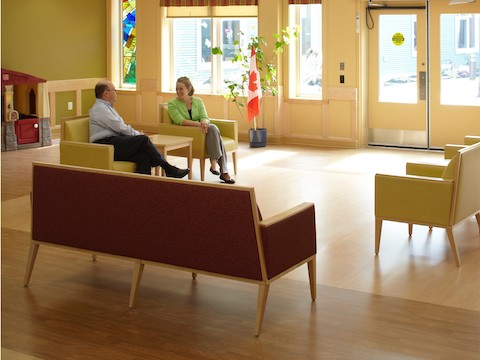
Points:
(238, 87)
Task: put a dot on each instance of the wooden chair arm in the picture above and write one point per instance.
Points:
(424, 169)
(228, 128)
(471, 139)
(452, 149)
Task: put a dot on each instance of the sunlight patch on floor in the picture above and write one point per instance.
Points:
(264, 157)
(384, 163)
(16, 214)
(14, 355)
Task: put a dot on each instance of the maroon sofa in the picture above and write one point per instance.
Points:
(142, 218)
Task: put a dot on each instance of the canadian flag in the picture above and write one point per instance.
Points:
(254, 90)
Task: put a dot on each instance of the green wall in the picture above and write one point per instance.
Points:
(55, 39)
(61, 105)
(88, 99)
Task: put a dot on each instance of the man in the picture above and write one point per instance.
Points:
(108, 127)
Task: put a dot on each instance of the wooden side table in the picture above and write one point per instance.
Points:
(165, 143)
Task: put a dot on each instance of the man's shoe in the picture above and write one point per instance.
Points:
(176, 172)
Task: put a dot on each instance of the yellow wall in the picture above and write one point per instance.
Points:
(72, 43)
(321, 122)
(54, 40)
(334, 120)
(69, 43)
(88, 99)
(61, 41)
(62, 98)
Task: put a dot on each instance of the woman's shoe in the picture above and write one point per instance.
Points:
(214, 172)
(227, 181)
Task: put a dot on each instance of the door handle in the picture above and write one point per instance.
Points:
(422, 85)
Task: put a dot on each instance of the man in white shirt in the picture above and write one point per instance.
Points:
(108, 127)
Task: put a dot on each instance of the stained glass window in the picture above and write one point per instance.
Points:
(129, 41)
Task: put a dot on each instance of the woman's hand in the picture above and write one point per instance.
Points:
(203, 126)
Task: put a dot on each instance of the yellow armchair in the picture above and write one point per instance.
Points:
(228, 130)
(452, 149)
(76, 149)
(432, 201)
(436, 170)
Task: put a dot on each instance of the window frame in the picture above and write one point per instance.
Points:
(216, 65)
(468, 18)
(294, 57)
(120, 68)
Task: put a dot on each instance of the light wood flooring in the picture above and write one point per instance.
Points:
(410, 302)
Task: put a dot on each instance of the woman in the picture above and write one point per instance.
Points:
(189, 110)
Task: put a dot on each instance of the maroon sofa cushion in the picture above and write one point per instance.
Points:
(289, 242)
(176, 222)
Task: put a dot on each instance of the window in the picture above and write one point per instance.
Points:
(460, 54)
(467, 32)
(129, 43)
(192, 43)
(306, 54)
(397, 59)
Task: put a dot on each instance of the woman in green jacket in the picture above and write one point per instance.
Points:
(189, 110)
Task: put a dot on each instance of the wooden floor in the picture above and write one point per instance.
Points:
(410, 302)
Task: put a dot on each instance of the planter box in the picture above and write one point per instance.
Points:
(257, 137)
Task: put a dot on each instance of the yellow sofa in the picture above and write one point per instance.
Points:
(76, 149)
(228, 130)
(436, 169)
(433, 201)
(452, 149)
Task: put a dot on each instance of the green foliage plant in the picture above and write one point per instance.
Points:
(238, 88)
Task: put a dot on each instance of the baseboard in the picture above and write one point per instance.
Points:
(291, 140)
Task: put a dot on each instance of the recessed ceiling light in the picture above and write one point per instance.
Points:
(454, 2)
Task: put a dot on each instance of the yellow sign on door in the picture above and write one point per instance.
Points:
(398, 39)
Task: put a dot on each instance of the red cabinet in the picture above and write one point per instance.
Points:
(27, 131)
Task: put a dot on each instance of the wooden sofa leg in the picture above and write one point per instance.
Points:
(32, 255)
(234, 157)
(410, 229)
(194, 275)
(136, 278)
(312, 276)
(451, 239)
(261, 304)
(378, 233)
(202, 169)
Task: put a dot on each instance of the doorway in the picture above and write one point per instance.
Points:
(423, 74)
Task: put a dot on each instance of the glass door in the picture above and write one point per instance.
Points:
(398, 77)
(455, 78)
(417, 97)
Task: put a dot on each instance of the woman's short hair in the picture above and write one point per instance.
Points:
(186, 81)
